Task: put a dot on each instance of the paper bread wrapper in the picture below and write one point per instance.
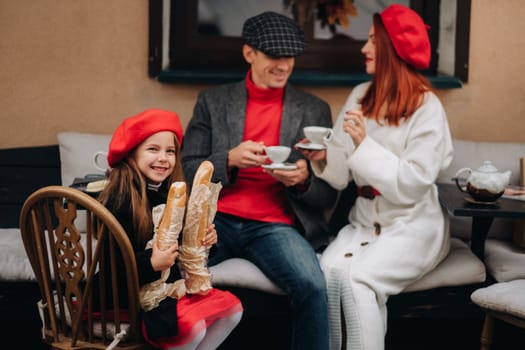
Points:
(168, 220)
(200, 212)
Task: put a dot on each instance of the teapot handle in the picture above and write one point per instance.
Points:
(462, 188)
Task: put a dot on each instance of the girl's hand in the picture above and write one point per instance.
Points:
(354, 125)
(211, 236)
(163, 259)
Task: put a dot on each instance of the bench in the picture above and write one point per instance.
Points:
(442, 298)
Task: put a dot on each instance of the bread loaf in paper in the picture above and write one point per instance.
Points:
(171, 223)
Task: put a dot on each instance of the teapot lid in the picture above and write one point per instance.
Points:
(487, 167)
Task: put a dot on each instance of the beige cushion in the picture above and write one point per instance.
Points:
(505, 261)
(460, 267)
(237, 272)
(518, 237)
(507, 297)
(461, 227)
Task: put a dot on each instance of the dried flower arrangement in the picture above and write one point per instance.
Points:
(329, 12)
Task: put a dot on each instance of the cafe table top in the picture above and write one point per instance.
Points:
(456, 203)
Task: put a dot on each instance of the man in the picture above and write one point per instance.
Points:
(272, 217)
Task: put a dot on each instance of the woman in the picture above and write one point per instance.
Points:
(392, 138)
(144, 160)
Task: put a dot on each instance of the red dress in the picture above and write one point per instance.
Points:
(191, 309)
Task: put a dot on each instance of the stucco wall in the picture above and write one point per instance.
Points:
(82, 65)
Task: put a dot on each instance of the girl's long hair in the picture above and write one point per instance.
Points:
(127, 191)
(396, 90)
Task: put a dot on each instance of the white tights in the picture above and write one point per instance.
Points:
(210, 338)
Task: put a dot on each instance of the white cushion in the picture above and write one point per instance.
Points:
(505, 261)
(14, 263)
(237, 272)
(76, 154)
(111, 329)
(460, 267)
(76, 159)
(506, 297)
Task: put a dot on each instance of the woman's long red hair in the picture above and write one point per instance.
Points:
(397, 89)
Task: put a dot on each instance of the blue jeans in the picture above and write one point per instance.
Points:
(287, 259)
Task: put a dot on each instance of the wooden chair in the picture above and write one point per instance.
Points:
(65, 262)
(504, 301)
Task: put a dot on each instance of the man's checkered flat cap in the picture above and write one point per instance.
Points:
(274, 34)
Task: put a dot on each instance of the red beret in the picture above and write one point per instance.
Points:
(408, 34)
(133, 130)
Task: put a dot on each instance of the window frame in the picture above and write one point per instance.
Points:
(191, 58)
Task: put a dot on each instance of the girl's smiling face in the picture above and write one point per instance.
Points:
(155, 156)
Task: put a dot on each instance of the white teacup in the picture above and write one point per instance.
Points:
(278, 154)
(100, 161)
(316, 134)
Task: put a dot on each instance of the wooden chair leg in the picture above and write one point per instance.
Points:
(486, 332)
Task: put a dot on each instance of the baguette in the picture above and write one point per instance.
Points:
(176, 202)
(203, 177)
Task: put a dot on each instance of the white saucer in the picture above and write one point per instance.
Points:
(310, 146)
(280, 166)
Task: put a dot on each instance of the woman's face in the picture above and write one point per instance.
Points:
(155, 156)
(369, 50)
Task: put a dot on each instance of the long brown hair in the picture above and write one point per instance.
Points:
(127, 188)
(397, 89)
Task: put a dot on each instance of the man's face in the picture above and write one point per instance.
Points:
(268, 72)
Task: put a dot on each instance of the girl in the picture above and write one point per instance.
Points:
(392, 138)
(144, 160)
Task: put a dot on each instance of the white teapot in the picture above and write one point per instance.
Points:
(485, 184)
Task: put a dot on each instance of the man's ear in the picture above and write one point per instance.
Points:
(248, 52)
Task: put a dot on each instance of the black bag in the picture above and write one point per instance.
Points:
(162, 321)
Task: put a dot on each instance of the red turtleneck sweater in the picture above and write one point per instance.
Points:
(256, 195)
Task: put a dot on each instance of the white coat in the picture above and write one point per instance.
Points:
(395, 238)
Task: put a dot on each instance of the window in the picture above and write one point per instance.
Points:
(200, 41)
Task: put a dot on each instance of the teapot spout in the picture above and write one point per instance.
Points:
(507, 174)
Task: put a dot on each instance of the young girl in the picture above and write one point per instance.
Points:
(144, 160)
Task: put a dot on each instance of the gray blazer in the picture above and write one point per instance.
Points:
(217, 125)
